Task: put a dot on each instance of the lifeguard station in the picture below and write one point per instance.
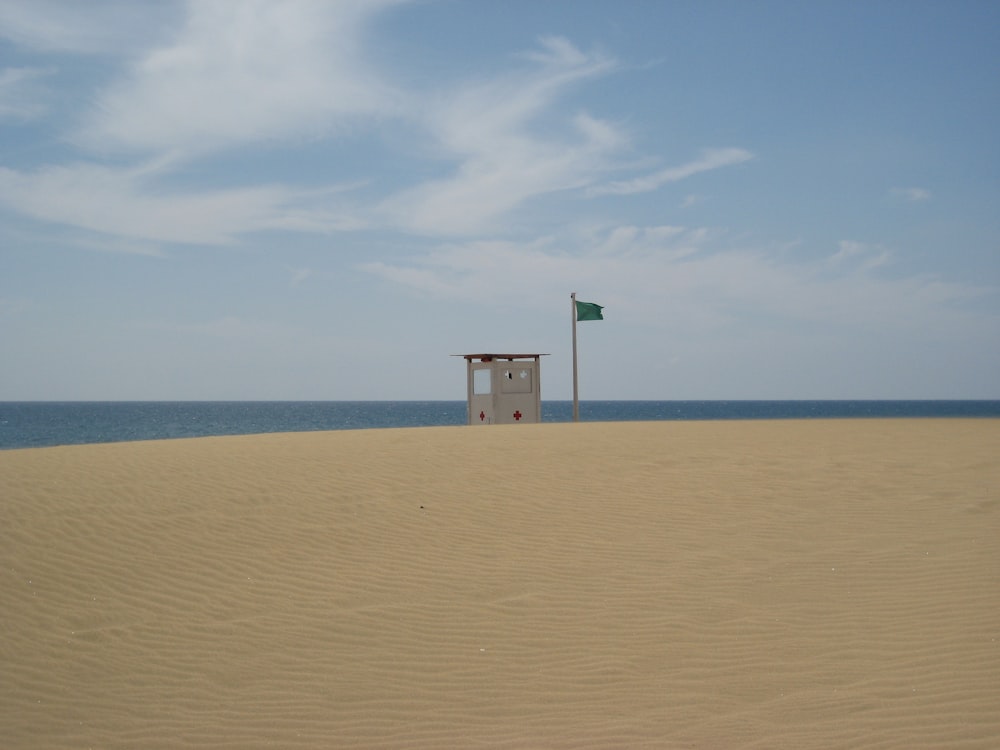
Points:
(504, 388)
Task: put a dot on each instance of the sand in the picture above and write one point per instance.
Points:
(781, 584)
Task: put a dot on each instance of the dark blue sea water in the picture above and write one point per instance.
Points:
(37, 424)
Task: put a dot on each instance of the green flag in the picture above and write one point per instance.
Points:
(588, 311)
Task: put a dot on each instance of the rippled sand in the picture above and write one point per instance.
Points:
(782, 584)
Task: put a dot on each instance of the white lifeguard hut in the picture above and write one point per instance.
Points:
(504, 388)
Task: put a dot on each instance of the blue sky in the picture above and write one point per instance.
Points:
(308, 199)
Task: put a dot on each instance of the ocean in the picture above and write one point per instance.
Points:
(39, 424)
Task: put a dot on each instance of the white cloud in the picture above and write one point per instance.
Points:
(710, 159)
(238, 73)
(233, 74)
(264, 70)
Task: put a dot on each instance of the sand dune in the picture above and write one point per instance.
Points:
(816, 584)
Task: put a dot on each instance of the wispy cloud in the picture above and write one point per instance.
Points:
(912, 194)
(867, 255)
(621, 260)
(697, 279)
(21, 95)
(493, 129)
(710, 159)
(96, 27)
(126, 203)
(299, 275)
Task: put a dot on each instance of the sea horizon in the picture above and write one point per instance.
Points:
(28, 424)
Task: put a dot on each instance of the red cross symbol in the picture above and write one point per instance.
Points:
(518, 415)
(482, 416)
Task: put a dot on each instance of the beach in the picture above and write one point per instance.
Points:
(732, 584)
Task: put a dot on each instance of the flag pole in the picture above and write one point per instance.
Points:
(576, 392)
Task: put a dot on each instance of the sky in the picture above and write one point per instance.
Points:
(326, 199)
